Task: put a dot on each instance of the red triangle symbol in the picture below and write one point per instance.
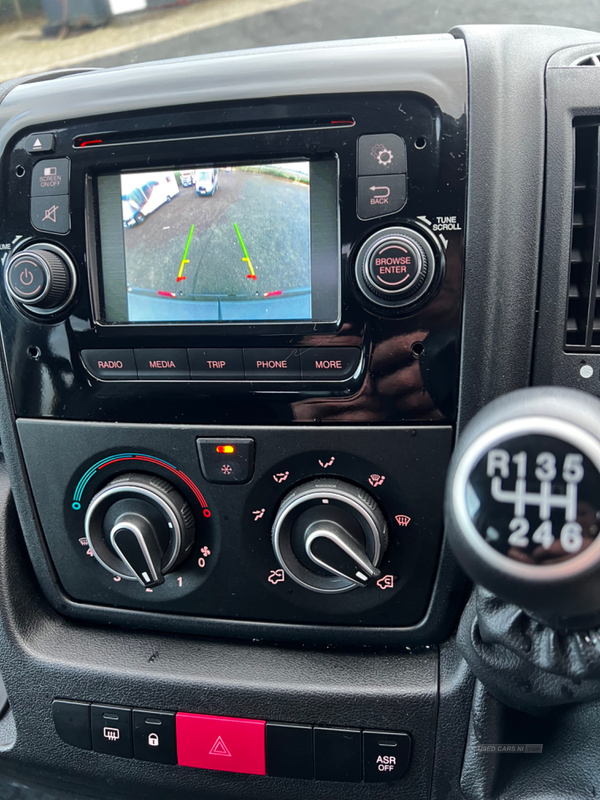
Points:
(219, 748)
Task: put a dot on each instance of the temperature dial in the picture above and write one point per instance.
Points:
(330, 536)
(139, 527)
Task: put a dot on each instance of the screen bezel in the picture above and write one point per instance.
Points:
(331, 251)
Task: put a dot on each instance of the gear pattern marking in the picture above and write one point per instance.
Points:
(383, 155)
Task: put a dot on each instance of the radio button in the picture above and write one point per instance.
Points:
(217, 364)
(272, 364)
(329, 363)
(51, 178)
(110, 364)
(51, 214)
(381, 154)
(162, 365)
(379, 195)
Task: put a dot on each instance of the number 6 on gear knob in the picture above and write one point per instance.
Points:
(523, 503)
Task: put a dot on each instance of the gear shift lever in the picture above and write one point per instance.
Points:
(523, 503)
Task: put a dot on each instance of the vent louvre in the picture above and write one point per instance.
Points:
(582, 329)
(592, 60)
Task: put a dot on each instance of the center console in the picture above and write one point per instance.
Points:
(231, 334)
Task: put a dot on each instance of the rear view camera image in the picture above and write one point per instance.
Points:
(227, 244)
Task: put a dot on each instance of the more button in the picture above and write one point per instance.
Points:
(329, 363)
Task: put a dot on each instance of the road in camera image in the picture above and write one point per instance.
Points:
(241, 231)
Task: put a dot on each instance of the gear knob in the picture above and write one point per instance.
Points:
(523, 503)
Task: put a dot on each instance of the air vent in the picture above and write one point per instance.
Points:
(583, 307)
(588, 61)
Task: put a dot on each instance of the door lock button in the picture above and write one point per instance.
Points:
(154, 736)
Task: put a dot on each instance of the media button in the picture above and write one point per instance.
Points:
(110, 364)
(329, 363)
(157, 365)
(272, 364)
(216, 364)
(379, 195)
(51, 214)
(51, 178)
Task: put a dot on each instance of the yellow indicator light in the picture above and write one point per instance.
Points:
(225, 448)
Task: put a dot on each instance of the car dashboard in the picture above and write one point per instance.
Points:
(299, 412)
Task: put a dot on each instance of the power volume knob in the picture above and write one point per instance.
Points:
(395, 267)
(41, 278)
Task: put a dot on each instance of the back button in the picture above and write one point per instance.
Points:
(379, 195)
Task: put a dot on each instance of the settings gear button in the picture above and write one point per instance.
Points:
(381, 154)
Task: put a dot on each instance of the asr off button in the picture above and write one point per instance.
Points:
(386, 756)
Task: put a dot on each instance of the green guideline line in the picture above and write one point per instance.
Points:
(246, 258)
(184, 260)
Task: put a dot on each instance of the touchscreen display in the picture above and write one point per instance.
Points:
(220, 244)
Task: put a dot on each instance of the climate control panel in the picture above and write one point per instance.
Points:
(243, 529)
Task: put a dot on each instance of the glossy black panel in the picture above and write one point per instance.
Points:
(396, 384)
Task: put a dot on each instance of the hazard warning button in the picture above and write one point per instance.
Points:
(221, 743)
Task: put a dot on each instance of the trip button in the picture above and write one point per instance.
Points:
(381, 154)
(272, 364)
(111, 730)
(51, 178)
(217, 364)
(27, 278)
(110, 364)
(221, 743)
(161, 364)
(51, 214)
(379, 195)
(226, 460)
(385, 755)
(329, 363)
(154, 736)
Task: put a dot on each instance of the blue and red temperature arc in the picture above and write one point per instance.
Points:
(79, 489)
